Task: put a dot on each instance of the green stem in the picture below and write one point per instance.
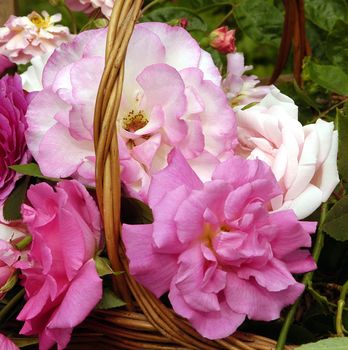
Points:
(229, 14)
(73, 20)
(307, 280)
(22, 244)
(340, 306)
(5, 311)
(152, 3)
(333, 107)
(212, 6)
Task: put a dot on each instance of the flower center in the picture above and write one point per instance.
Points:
(134, 121)
(209, 233)
(39, 21)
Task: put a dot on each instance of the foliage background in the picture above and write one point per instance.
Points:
(324, 91)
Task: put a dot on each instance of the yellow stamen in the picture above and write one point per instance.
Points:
(134, 121)
(39, 21)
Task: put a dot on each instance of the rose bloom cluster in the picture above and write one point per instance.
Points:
(23, 38)
(227, 185)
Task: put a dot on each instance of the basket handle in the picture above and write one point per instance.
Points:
(108, 185)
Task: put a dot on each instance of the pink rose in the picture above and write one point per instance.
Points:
(241, 89)
(303, 158)
(9, 256)
(171, 98)
(7, 344)
(223, 40)
(23, 38)
(61, 282)
(88, 6)
(10, 234)
(13, 147)
(225, 256)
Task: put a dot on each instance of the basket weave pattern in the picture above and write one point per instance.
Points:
(147, 323)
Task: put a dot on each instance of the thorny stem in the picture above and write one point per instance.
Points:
(340, 330)
(333, 107)
(307, 280)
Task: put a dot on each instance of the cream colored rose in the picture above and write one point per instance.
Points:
(303, 158)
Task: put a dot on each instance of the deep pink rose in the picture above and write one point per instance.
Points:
(216, 248)
(7, 344)
(5, 64)
(223, 40)
(13, 148)
(61, 282)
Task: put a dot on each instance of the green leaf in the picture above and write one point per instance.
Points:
(330, 77)
(168, 14)
(12, 206)
(103, 267)
(337, 45)
(30, 169)
(335, 224)
(260, 20)
(110, 300)
(134, 211)
(325, 13)
(342, 126)
(327, 344)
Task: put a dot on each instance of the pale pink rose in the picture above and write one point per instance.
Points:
(241, 89)
(7, 344)
(171, 98)
(88, 6)
(23, 38)
(32, 77)
(10, 234)
(225, 256)
(303, 158)
(61, 282)
(223, 40)
(9, 256)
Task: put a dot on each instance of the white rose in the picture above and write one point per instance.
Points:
(303, 158)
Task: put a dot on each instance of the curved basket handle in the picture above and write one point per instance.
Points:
(108, 185)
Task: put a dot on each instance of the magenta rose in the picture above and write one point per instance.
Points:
(61, 282)
(4, 64)
(7, 344)
(13, 148)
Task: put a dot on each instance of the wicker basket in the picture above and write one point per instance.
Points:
(147, 323)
